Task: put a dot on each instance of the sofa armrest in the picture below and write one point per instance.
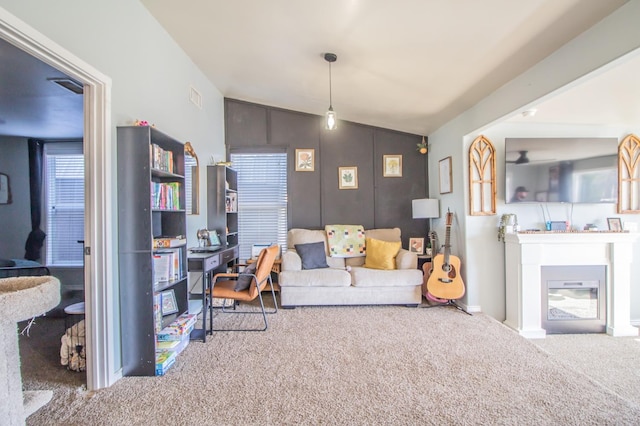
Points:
(291, 261)
(406, 260)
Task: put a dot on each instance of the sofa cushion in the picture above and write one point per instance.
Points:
(365, 277)
(325, 277)
(302, 236)
(381, 254)
(313, 255)
(345, 240)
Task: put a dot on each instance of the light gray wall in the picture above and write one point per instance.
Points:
(15, 217)
(474, 238)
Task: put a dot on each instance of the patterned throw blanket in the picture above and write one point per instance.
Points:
(346, 240)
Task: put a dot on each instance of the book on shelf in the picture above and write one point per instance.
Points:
(167, 242)
(162, 264)
(167, 265)
(176, 346)
(161, 159)
(183, 325)
(165, 195)
(164, 360)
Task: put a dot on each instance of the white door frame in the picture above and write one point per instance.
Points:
(100, 313)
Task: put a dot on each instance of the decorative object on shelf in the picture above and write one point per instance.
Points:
(144, 123)
(392, 166)
(224, 163)
(615, 224)
(305, 160)
(5, 189)
(192, 177)
(482, 177)
(416, 245)
(444, 169)
(508, 225)
(629, 175)
(169, 303)
(348, 177)
(331, 123)
(422, 146)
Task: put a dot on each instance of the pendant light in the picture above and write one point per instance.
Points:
(330, 115)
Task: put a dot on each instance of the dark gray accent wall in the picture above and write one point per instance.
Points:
(314, 197)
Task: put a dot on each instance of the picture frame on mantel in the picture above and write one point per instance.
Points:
(444, 171)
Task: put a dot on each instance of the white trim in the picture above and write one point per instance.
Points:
(99, 295)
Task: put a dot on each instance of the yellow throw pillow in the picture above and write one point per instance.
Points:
(381, 254)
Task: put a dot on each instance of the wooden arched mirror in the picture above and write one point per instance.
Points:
(192, 178)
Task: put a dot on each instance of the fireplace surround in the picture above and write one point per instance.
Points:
(526, 255)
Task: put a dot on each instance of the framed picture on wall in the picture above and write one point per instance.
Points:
(416, 245)
(392, 166)
(348, 177)
(444, 170)
(305, 160)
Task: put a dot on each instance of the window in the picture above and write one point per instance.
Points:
(64, 203)
(262, 200)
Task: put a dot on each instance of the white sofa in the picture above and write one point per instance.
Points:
(346, 281)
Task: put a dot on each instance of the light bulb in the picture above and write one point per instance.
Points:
(331, 119)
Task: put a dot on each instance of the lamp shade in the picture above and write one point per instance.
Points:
(425, 208)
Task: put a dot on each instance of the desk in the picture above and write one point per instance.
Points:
(208, 263)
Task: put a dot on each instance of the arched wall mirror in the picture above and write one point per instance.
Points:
(192, 177)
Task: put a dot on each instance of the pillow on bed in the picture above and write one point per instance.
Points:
(4, 263)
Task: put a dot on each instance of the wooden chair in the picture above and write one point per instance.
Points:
(223, 287)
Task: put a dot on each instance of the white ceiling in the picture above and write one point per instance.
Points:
(408, 65)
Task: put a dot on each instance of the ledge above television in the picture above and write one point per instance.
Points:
(563, 170)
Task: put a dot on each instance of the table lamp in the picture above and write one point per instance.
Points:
(425, 208)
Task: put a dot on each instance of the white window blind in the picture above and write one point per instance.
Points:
(64, 203)
(189, 164)
(262, 200)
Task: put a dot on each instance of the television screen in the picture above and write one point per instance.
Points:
(564, 170)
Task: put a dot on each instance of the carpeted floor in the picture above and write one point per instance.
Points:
(356, 365)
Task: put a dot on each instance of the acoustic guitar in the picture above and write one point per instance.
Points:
(445, 281)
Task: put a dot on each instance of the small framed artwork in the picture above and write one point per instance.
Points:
(392, 166)
(348, 177)
(5, 190)
(615, 224)
(444, 170)
(305, 160)
(416, 245)
(169, 303)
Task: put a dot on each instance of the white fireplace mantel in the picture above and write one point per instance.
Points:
(527, 253)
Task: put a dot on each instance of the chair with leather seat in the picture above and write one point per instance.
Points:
(224, 286)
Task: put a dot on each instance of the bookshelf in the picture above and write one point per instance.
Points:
(222, 203)
(152, 251)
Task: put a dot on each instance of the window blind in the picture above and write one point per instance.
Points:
(262, 200)
(189, 164)
(64, 203)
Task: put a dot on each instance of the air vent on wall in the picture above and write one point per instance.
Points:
(68, 84)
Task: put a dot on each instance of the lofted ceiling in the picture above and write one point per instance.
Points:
(408, 65)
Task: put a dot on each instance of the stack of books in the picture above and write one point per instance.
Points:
(172, 340)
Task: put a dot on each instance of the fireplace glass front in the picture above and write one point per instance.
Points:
(573, 299)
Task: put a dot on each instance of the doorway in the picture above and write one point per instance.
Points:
(100, 311)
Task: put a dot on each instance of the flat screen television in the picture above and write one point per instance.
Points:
(564, 170)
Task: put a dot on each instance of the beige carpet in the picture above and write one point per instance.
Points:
(349, 365)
